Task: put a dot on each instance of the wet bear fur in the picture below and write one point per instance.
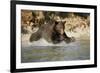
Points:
(52, 32)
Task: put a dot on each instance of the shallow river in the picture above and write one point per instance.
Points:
(78, 50)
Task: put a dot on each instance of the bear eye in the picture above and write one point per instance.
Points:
(34, 25)
(58, 28)
(56, 22)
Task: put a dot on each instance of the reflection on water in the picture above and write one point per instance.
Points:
(79, 50)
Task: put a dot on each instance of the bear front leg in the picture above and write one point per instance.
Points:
(35, 36)
(68, 39)
(55, 38)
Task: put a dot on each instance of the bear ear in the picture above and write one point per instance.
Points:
(64, 22)
(56, 22)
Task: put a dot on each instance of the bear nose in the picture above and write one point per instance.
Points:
(61, 31)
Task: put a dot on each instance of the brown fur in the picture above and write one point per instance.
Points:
(51, 32)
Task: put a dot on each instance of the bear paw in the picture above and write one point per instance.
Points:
(70, 39)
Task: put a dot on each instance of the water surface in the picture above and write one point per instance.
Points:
(78, 50)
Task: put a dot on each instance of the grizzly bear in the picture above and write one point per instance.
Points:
(52, 32)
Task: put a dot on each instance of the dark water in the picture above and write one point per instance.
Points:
(79, 50)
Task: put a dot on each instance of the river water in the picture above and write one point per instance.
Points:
(41, 52)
